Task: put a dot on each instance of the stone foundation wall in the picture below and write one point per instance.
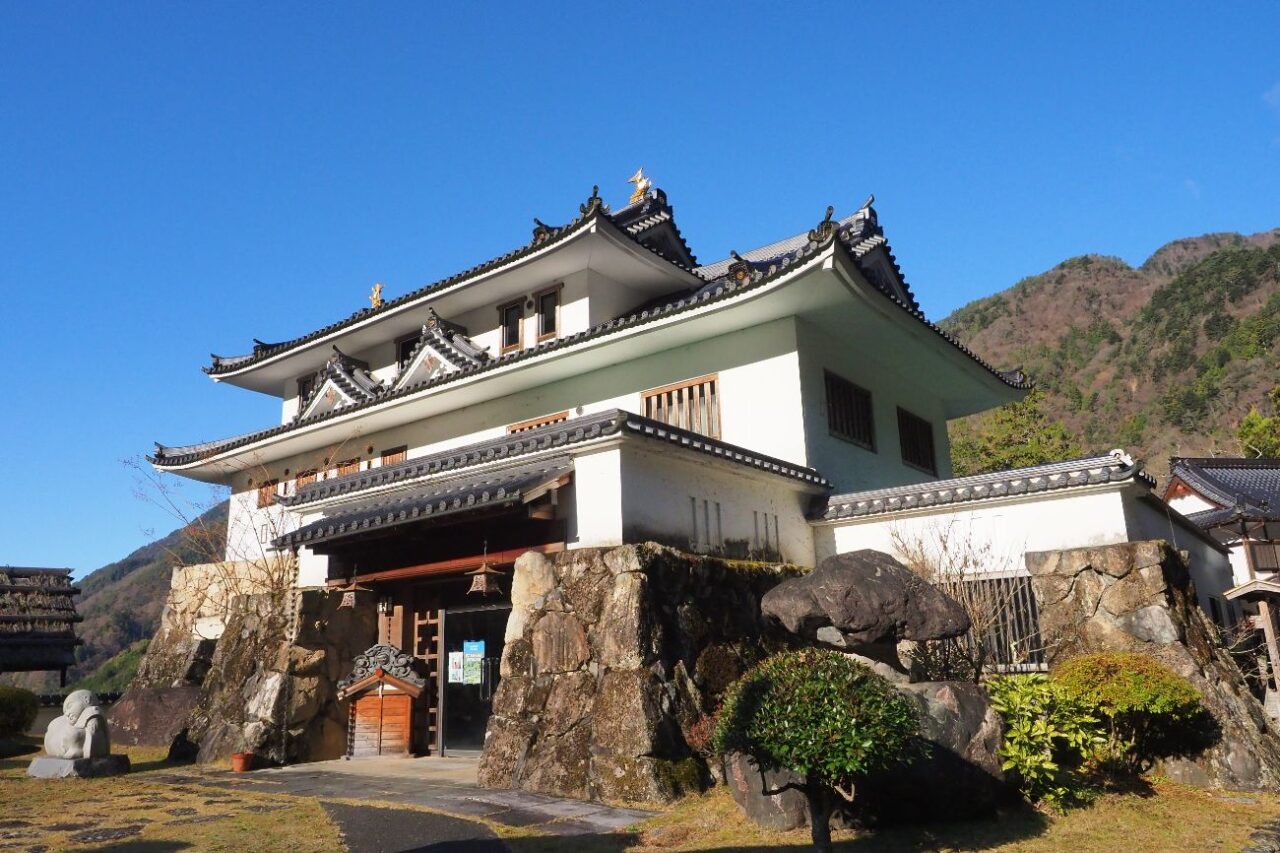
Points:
(611, 656)
(1138, 597)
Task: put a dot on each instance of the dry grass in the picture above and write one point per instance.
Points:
(140, 812)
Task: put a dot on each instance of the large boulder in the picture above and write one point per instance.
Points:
(958, 776)
(867, 597)
(762, 795)
(155, 716)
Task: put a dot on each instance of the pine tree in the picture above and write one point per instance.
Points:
(1012, 436)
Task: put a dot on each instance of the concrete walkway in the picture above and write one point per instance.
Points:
(443, 784)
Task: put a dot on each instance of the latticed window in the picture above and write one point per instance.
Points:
(1006, 620)
(693, 405)
(267, 493)
(394, 455)
(916, 436)
(305, 478)
(849, 411)
(350, 466)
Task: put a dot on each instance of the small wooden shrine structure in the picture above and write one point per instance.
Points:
(381, 688)
(37, 620)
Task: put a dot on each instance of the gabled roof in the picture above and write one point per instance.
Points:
(435, 500)
(859, 237)
(1115, 467)
(652, 222)
(551, 438)
(593, 210)
(1242, 488)
(442, 347)
(342, 382)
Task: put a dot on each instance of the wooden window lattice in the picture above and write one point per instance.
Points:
(693, 405)
(1013, 642)
(916, 436)
(394, 455)
(849, 411)
(267, 493)
(534, 423)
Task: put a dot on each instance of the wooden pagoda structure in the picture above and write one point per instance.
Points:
(37, 620)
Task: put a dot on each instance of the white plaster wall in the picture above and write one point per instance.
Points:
(596, 521)
(849, 466)
(1210, 568)
(709, 507)
(1239, 564)
(1189, 503)
(1007, 529)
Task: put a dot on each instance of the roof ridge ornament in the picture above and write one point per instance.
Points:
(375, 297)
(741, 268)
(594, 203)
(541, 231)
(642, 186)
(825, 228)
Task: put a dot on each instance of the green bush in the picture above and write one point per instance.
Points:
(18, 709)
(823, 716)
(1149, 709)
(1049, 738)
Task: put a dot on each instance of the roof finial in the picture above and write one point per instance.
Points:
(642, 186)
(594, 203)
(375, 296)
(541, 231)
(825, 228)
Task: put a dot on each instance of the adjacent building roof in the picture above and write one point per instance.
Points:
(551, 438)
(1115, 467)
(37, 619)
(859, 236)
(1242, 488)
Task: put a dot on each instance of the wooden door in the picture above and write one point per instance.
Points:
(383, 722)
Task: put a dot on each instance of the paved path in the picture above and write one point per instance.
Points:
(443, 784)
(369, 829)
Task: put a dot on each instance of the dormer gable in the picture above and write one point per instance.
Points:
(443, 347)
(343, 381)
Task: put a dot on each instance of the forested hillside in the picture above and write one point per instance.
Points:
(1162, 360)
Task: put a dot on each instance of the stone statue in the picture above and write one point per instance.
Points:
(81, 731)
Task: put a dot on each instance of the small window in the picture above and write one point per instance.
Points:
(394, 455)
(534, 423)
(404, 349)
(306, 385)
(267, 493)
(512, 319)
(916, 437)
(350, 466)
(849, 412)
(548, 314)
(1266, 556)
(305, 478)
(693, 405)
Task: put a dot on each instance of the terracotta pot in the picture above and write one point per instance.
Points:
(242, 761)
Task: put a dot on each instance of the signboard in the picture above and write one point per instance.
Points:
(472, 657)
(455, 668)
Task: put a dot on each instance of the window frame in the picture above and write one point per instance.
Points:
(539, 313)
(712, 379)
(402, 363)
(534, 423)
(306, 387)
(400, 453)
(310, 476)
(905, 417)
(353, 464)
(503, 346)
(268, 491)
(828, 378)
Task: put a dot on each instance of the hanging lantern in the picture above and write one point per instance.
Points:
(484, 580)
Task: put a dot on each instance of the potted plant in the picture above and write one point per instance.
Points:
(242, 762)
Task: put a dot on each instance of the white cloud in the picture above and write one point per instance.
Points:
(1272, 97)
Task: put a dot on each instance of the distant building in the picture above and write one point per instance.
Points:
(37, 620)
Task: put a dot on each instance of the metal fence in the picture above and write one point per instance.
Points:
(1011, 639)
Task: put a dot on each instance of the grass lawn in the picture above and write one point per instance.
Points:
(140, 813)
(147, 813)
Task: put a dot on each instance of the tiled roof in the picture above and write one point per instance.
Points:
(549, 438)
(1243, 488)
(857, 235)
(408, 505)
(593, 209)
(1115, 467)
(447, 340)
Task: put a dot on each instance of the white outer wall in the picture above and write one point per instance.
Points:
(1189, 503)
(706, 506)
(1210, 568)
(1043, 522)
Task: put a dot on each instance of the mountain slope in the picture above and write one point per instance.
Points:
(121, 605)
(1162, 360)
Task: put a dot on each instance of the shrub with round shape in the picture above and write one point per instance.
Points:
(18, 710)
(823, 716)
(1151, 711)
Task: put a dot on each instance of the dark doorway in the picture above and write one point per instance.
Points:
(473, 640)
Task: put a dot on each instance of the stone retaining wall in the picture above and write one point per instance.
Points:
(611, 656)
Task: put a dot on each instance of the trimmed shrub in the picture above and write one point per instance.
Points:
(823, 716)
(1049, 738)
(1149, 709)
(18, 709)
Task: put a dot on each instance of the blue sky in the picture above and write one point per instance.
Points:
(177, 178)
